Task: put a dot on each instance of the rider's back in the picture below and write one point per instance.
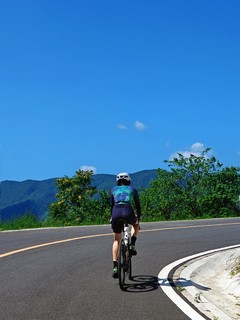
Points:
(123, 194)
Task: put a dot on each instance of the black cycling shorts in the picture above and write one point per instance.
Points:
(122, 211)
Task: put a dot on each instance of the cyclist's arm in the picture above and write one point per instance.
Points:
(111, 201)
(137, 203)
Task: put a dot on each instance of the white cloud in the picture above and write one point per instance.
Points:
(196, 149)
(139, 125)
(89, 168)
(122, 126)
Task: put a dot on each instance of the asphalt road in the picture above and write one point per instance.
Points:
(72, 280)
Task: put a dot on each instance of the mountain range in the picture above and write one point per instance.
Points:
(32, 196)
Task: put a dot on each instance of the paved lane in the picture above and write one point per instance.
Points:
(72, 280)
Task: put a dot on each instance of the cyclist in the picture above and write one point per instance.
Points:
(123, 196)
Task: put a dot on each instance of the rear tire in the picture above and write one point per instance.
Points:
(122, 264)
(129, 265)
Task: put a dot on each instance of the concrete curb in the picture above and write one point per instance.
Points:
(189, 302)
(199, 282)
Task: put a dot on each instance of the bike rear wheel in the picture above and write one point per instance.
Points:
(122, 267)
(129, 265)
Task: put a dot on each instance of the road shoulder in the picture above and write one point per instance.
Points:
(207, 284)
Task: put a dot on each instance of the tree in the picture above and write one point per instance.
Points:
(103, 213)
(196, 186)
(160, 200)
(193, 174)
(223, 193)
(74, 198)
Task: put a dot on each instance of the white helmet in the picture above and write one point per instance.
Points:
(123, 176)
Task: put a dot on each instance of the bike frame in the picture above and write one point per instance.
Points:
(124, 257)
(127, 234)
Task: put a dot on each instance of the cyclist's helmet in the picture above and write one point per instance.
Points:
(123, 176)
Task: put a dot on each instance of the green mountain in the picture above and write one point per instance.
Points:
(18, 198)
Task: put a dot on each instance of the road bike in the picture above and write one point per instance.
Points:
(124, 256)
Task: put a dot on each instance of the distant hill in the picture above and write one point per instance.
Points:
(18, 198)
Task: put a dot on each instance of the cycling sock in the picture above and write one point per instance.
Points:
(133, 240)
(115, 264)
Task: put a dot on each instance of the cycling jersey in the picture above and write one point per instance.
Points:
(125, 195)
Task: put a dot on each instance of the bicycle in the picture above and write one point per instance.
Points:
(124, 256)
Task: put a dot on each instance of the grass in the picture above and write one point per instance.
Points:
(236, 269)
(25, 222)
(180, 288)
(29, 221)
(197, 298)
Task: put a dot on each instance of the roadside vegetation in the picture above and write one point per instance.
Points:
(194, 187)
(236, 269)
(25, 222)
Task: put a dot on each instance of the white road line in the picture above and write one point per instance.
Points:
(163, 277)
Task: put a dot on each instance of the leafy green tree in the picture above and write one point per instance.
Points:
(159, 201)
(196, 186)
(192, 175)
(223, 193)
(74, 198)
(103, 212)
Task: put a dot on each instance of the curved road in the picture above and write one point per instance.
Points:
(65, 273)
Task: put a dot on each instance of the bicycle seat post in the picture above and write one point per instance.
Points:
(127, 233)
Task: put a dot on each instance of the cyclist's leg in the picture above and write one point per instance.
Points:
(115, 247)
(115, 250)
(132, 219)
(116, 226)
(135, 229)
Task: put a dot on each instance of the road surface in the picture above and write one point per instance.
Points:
(65, 273)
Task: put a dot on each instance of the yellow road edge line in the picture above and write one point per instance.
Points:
(52, 243)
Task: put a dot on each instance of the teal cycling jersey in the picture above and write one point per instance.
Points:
(125, 194)
(122, 194)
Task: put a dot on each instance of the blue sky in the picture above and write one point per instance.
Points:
(116, 85)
